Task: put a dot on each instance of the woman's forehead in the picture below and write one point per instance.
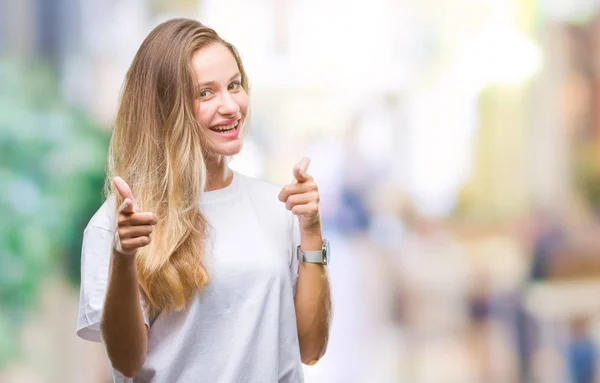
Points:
(214, 63)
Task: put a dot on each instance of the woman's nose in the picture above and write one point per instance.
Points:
(228, 105)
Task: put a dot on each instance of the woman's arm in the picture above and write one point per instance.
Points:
(124, 332)
(313, 299)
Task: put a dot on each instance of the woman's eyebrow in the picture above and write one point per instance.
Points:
(212, 83)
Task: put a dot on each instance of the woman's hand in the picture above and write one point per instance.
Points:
(302, 198)
(134, 228)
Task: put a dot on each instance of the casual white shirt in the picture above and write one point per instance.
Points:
(242, 327)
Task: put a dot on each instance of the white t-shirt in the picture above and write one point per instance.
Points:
(242, 327)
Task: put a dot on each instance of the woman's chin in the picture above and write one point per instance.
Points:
(227, 149)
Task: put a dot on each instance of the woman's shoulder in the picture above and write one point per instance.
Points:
(104, 217)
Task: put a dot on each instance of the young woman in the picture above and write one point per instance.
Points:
(192, 272)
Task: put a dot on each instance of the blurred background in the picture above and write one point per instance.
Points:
(456, 144)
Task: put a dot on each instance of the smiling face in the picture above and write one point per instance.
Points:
(221, 103)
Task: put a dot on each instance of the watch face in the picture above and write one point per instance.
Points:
(325, 252)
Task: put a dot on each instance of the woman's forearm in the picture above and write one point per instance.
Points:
(124, 332)
(313, 303)
(313, 312)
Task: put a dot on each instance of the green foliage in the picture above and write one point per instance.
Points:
(51, 175)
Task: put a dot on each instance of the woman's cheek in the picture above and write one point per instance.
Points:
(242, 100)
(202, 113)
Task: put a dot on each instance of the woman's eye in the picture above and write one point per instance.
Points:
(204, 93)
(235, 85)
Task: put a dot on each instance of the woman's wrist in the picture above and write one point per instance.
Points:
(311, 240)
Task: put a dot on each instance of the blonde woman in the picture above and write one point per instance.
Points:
(192, 272)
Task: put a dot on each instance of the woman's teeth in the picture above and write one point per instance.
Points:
(225, 128)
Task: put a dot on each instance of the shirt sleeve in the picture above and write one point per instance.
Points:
(96, 255)
(294, 262)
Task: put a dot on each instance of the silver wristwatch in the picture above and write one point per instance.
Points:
(315, 256)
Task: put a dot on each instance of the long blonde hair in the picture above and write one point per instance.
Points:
(157, 147)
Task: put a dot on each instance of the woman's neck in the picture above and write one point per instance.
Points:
(219, 175)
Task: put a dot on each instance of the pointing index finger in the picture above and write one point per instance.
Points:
(122, 187)
(125, 192)
(300, 169)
